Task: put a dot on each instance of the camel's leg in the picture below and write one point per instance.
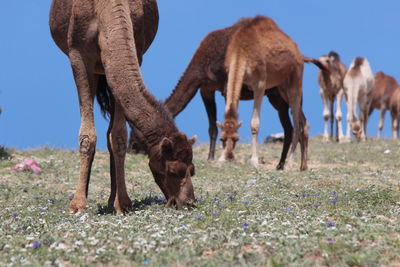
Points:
(331, 118)
(208, 96)
(338, 115)
(300, 131)
(363, 115)
(283, 110)
(86, 83)
(395, 126)
(326, 114)
(255, 124)
(117, 146)
(381, 122)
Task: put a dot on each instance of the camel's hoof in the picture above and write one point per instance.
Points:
(254, 162)
(123, 206)
(77, 205)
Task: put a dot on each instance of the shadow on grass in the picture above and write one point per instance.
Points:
(138, 204)
(5, 154)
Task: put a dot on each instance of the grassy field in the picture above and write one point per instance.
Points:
(343, 211)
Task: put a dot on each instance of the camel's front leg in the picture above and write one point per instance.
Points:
(208, 96)
(338, 115)
(117, 145)
(255, 125)
(87, 134)
(326, 114)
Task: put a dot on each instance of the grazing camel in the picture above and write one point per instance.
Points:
(380, 97)
(394, 106)
(358, 83)
(331, 89)
(206, 71)
(261, 56)
(105, 41)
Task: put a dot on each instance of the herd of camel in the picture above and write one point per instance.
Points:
(105, 41)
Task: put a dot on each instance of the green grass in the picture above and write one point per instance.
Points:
(343, 211)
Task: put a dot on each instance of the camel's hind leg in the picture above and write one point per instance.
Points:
(339, 116)
(208, 96)
(300, 131)
(86, 83)
(117, 145)
(381, 122)
(282, 107)
(326, 114)
(255, 124)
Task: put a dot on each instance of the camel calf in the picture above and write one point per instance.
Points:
(358, 83)
(380, 98)
(331, 89)
(261, 56)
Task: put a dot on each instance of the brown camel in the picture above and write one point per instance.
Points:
(105, 41)
(331, 89)
(394, 106)
(380, 97)
(261, 56)
(206, 71)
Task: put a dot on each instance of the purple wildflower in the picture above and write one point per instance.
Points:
(317, 195)
(288, 209)
(330, 241)
(303, 195)
(258, 195)
(198, 217)
(52, 201)
(330, 224)
(215, 213)
(71, 197)
(334, 192)
(246, 202)
(231, 197)
(316, 205)
(245, 225)
(15, 215)
(36, 244)
(334, 201)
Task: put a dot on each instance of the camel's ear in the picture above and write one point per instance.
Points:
(192, 140)
(219, 125)
(239, 124)
(166, 146)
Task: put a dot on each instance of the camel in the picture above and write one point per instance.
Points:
(380, 97)
(394, 106)
(261, 56)
(358, 83)
(206, 71)
(331, 89)
(105, 41)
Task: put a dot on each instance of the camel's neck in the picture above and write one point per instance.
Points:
(185, 90)
(231, 113)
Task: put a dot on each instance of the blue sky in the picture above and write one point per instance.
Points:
(38, 95)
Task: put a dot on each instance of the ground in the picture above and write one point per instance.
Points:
(343, 211)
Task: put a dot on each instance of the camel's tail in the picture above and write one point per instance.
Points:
(103, 96)
(236, 65)
(317, 63)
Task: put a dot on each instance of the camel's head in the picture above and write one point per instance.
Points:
(356, 129)
(172, 168)
(329, 60)
(229, 137)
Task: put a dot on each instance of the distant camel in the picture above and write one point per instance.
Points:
(261, 56)
(380, 97)
(358, 83)
(394, 105)
(105, 41)
(331, 89)
(206, 71)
